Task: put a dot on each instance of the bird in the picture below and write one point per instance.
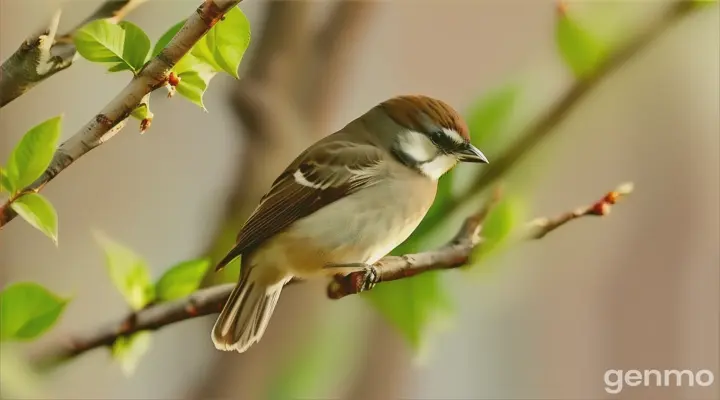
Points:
(344, 203)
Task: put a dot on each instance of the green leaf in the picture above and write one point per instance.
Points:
(182, 279)
(411, 305)
(27, 310)
(490, 114)
(221, 49)
(101, 41)
(128, 350)
(129, 273)
(124, 45)
(228, 40)
(33, 154)
(141, 112)
(194, 83)
(204, 54)
(38, 212)
(5, 185)
(580, 50)
(136, 46)
(167, 37)
(322, 351)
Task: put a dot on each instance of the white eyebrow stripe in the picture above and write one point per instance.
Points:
(452, 134)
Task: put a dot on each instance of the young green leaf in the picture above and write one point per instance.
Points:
(124, 45)
(5, 185)
(411, 305)
(580, 50)
(129, 273)
(38, 212)
(228, 40)
(136, 46)
(101, 41)
(33, 154)
(321, 352)
(204, 54)
(141, 112)
(499, 226)
(182, 279)
(194, 83)
(489, 116)
(128, 350)
(27, 310)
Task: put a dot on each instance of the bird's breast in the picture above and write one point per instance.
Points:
(360, 228)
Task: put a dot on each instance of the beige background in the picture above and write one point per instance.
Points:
(638, 290)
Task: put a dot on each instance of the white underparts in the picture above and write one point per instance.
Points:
(438, 166)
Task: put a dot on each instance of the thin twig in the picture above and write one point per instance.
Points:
(542, 226)
(44, 54)
(152, 76)
(547, 123)
(210, 300)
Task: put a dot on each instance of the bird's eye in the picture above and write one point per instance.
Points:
(437, 137)
(442, 140)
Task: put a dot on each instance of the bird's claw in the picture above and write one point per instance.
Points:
(370, 278)
(357, 277)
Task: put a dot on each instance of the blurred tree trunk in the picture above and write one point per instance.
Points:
(284, 103)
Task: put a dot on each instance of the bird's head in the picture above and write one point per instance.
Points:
(430, 135)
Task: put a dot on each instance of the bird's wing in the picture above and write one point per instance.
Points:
(318, 177)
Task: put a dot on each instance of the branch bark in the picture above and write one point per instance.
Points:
(209, 301)
(104, 125)
(44, 54)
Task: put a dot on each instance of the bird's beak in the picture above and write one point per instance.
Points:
(471, 154)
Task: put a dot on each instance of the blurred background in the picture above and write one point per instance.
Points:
(635, 290)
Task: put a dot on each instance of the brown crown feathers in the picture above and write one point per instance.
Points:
(411, 111)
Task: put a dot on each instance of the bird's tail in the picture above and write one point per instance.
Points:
(246, 314)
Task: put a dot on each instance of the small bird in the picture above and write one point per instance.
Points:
(341, 205)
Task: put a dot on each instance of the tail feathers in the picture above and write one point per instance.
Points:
(246, 314)
(233, 254)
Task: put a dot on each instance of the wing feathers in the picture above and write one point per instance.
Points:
(318, 177)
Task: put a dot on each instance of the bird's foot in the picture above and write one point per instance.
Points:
(355, 277)
(370, 277)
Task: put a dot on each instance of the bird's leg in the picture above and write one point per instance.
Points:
(367, 275)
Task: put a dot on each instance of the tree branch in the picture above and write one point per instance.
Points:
(104, 125)
(44, 54)
(211, 300)
(545, 125)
